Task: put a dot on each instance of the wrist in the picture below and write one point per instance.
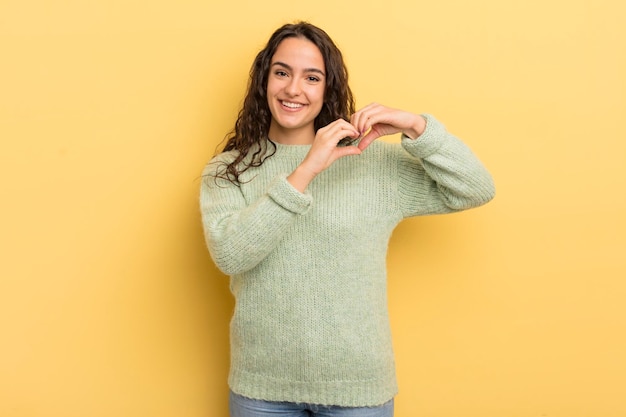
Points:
(300, 178)
(418, 127)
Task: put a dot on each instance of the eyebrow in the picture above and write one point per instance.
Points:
(282, 64)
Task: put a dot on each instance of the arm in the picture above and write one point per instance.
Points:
(324, 151)
(240, 235)
(443, 175)
(440, 174)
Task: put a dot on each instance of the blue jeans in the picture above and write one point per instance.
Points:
(247, 407)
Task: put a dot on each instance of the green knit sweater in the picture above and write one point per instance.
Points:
(308, 269)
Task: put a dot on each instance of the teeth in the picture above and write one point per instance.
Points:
(291, 105)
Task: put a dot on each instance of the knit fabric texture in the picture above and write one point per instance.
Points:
(308, 270)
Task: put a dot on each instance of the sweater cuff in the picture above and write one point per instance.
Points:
(429, 141)
(286, 196)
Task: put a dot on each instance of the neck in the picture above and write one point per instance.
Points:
(304, 136)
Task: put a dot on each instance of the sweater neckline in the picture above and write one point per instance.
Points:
(283, 150)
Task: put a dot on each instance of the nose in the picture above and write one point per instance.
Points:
(293, 88)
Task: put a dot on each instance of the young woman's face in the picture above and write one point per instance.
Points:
(295, 89)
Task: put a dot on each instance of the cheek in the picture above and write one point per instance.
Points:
(319, 94)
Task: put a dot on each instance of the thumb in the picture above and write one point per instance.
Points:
(347, 150)
(370, 137)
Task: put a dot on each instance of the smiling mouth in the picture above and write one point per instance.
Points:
(291, 105)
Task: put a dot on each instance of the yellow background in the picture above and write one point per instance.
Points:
(109, 302)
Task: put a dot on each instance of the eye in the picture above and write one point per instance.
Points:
(280, 73)
(313, 79)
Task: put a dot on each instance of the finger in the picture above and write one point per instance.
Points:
(341, 131)
(349, 138)
(334, 132)
(368, 139)
(344, 151)
(368, 108)
(358, 117)
(367, 117)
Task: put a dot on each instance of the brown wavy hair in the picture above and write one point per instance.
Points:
(253, 122)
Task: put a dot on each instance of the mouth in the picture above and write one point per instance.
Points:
(291, 105)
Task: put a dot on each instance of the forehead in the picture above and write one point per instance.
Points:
(299, 52)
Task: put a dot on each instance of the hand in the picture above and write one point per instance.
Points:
(380, 121)
(324, 152)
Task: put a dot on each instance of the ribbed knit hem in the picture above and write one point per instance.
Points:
(368, 393)
(285, 195)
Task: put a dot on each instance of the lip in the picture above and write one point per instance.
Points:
(295, 106)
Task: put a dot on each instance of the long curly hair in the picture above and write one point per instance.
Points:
(253, 122)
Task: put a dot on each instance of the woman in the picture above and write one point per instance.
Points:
(298, 209)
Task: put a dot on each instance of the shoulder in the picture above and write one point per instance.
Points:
(224, 157)
(219, 160)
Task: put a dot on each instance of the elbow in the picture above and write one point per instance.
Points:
(227, 254)
(472, 197)
(485, 194)
(227, 264)
(229, 269)
(482, 191)
(231, 262)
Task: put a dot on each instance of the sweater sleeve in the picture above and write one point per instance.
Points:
(240, 234)
(440, 174)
